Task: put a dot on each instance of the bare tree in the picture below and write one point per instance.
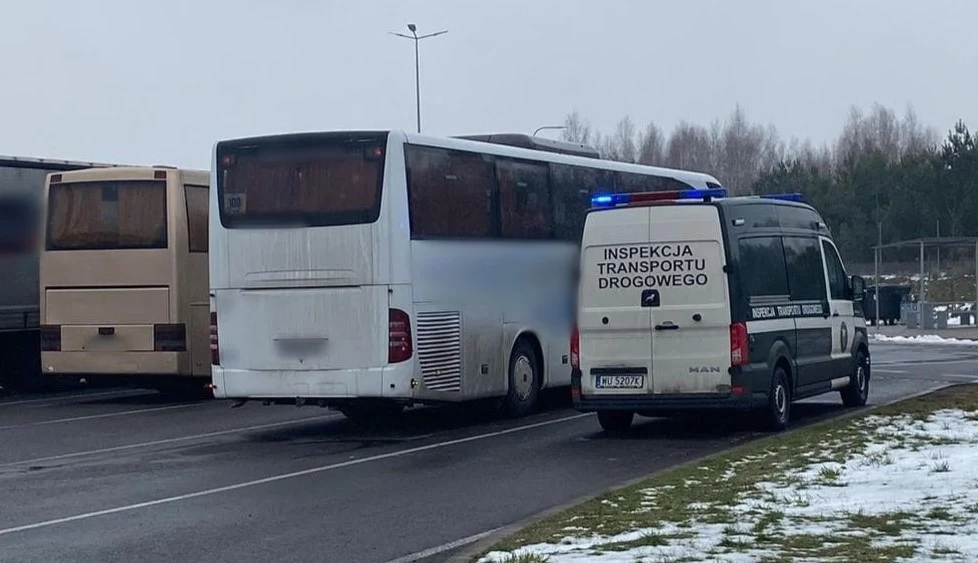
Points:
(576, 129)
(652, 146)
(742, 150)
(689, 148)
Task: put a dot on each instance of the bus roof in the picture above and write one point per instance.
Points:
(48, 163)
(556, 157)
(535, 143)
(474, 143)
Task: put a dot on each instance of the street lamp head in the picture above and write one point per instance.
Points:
(412, 28)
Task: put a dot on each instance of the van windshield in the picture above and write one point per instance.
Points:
(107, 215)
(305, 182)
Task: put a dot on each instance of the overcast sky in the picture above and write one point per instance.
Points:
(157, 82)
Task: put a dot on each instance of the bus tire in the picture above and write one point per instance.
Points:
(857, 392)
(615, 422)
(524, 380)
(777, 413)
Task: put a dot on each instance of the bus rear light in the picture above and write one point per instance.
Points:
(575, 349)
(170, 338)
(739, 345)
(401, 347)
(215, 349)
(50, 338)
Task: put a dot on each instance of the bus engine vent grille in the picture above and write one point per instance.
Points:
(440, 350)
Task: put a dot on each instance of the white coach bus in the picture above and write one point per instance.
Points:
(367, 271)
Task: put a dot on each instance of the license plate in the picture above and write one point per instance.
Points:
(619, 381)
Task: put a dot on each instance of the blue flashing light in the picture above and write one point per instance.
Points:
(612, 200)
(703, 194)
(785, 197)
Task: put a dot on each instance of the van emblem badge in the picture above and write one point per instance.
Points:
(650, 298)
(844, 336)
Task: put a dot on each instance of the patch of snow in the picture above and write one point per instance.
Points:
(922, 339)
(919, 473)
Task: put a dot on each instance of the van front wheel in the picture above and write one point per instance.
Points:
(857, 392)
(615, 422)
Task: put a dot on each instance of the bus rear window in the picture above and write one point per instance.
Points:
(309, 184)
(107, 215)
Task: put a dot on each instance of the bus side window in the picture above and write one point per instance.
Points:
(570, 201)
(524, 199)
(449, 193)
(197, 204)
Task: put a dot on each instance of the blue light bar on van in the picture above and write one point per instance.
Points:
(785, 197)
(614, 200)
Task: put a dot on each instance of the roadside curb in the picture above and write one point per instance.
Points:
(469, 554)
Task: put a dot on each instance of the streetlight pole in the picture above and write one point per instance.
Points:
(417, 62)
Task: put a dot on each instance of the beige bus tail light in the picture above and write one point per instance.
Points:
(170, 338)
(50, 338)
(215, 350)
(401, 346)
(739, 345)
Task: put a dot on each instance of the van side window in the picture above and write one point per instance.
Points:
(806, 278)
(762, 268)
(449, 192)
(838, 283)
(524, 199)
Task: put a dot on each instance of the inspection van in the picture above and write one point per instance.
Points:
(690, 300)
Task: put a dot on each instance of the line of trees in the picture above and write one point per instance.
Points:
(881, 169)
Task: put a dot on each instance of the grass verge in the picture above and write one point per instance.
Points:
(877, 487)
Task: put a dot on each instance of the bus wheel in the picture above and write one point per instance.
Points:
(368, 414)
(615, 422)
(524, 380)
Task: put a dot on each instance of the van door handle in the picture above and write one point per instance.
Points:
(667, 326)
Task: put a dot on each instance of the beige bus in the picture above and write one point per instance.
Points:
(124, 277)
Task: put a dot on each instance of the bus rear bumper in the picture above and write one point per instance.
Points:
(388, 382)
(115, 363)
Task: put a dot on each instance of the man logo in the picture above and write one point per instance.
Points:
(844, 336)
(650, 298)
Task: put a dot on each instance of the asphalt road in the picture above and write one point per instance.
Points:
(127, 476)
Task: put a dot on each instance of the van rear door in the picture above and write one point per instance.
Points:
(615, 329)
(687, 294)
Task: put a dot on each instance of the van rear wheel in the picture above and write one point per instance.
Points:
(615, 422)
(524, 380)
(778, 410)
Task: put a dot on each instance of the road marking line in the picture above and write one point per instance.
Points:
(879, 370)
(961, 375)
(168, 440)
(443, 547)
(284, 476)
(94, 416)
(121, 392)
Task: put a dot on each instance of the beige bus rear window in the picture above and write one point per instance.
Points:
(107, 215)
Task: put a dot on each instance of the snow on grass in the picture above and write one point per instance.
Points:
(923, 339)
(883, 488)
